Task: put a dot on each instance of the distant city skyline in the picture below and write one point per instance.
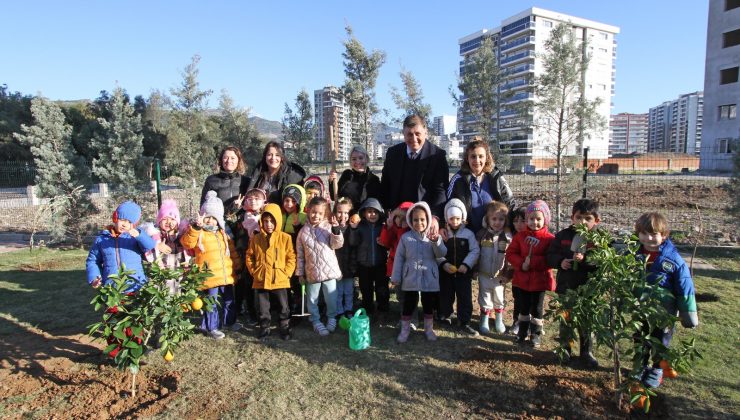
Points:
(264, 54)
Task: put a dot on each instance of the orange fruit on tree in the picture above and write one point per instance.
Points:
(566, 315)
(668, 371)
(640, 403)
(168, 356)
(636, 388)
(355, 218)
(197, 304)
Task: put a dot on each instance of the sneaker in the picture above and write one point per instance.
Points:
(236, 326)
(653, 377)
(467, 329)
(216, 334)
(331, 325)
(264, 333)
(413, 327)
(320, 329)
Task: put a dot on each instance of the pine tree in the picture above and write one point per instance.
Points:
(15, 110)
(119, 146)
(237, 131)
(411, 101)
(479, 84)
(192, 138)
(361, 70)
(298, 129)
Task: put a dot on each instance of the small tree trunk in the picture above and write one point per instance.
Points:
(133, 385)
(615, 352)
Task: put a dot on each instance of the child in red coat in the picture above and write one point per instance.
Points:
(526, 254)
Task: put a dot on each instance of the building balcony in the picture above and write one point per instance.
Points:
(519, 96)
(528, 54)
(527, 40)
(514, 85)
(522, 68)
(508, 33)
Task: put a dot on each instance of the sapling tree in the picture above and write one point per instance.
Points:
(132, 319)
(622, 308)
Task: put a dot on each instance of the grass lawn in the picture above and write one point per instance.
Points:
(43, 313)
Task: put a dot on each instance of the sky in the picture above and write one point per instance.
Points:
(264, 53)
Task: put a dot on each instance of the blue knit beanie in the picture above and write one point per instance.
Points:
(127, 210)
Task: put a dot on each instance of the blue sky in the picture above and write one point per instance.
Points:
(263, 53)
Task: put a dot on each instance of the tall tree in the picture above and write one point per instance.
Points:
(238, 131)
(59, 170)
(153, 123)
(361, 70)
(561, 114)
(411, 101)
(15, 110)
(118, 145)
(479, 95)
(191, 141)
(298, 129)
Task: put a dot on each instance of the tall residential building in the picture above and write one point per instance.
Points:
(721, 86)
(519, 44)
(332, 110)
(444, 125)
(676, 126)
(628, 133)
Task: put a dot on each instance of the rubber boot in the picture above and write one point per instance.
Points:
(403, 336)
(484, 328)
(500, 327)
(429, 328)
(586, 355)
(523, 331)
(536, 336)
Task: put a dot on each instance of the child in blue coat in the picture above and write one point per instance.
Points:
(121, 244)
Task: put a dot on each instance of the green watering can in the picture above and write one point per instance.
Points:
(359, 330)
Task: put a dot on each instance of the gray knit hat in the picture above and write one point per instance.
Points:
(214, 207)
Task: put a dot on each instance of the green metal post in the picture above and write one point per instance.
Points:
(159, 181)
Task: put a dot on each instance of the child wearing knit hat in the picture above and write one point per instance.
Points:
(120, 244)
(527, 255)
(455, 280)
(214, 249)
(169, 252)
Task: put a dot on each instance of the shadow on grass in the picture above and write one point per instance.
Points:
(718, 274)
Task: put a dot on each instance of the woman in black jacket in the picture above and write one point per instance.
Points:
(478, 182)
(357, 183)
(274, 172)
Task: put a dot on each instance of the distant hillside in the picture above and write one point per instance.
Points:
(269, 129)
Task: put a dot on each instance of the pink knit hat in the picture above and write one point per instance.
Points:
(168, 209)
(539, 205)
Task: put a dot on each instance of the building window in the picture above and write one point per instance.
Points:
(548, 24)
(723, 146)
(730, 39)
(731, 4)
(604, 35)
(728, 75)
(728, 112)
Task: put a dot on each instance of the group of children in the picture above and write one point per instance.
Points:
(306, 247)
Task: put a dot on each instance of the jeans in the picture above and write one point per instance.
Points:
(223, 314)
(329, 288)
(345, 295)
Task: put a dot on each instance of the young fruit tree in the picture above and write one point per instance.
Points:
(623, 310)
(132, 319)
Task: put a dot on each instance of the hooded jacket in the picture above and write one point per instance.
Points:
(670, 271)
(539, 276)
(461, 186)
(270, 258)
(365, 237)
(315, 247)
(214, 250)
(110, 251)
(288, 219)
(462, 247)
(560, 250)
(415, 266)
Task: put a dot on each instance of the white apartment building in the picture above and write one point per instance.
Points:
(721, 86)
(628, 133)
(331, 110)
(444, 125)
(519, 43)
(676, 126)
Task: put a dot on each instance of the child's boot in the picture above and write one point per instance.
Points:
(586, 354)
(403, 336)
(500, 327)
(523, 329)
(514, 329)
(429, 327)
(484, 328)
(536, 337)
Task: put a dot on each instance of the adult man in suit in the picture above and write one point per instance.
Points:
(415, 170)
